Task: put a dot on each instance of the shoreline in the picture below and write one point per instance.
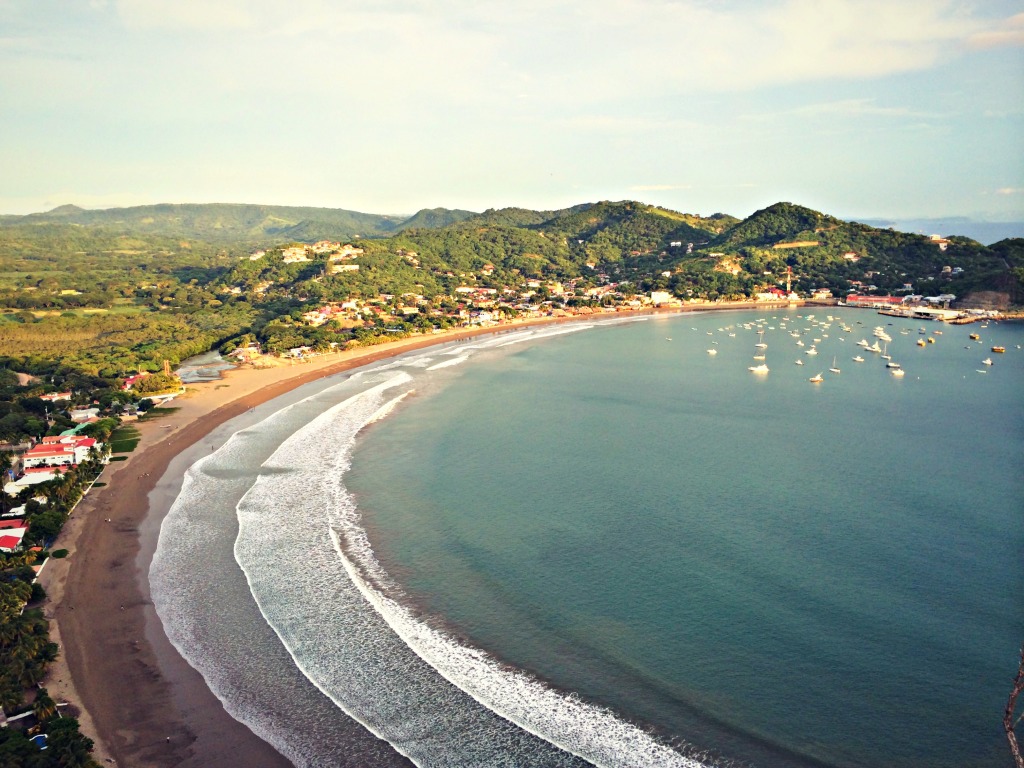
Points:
(134, 695)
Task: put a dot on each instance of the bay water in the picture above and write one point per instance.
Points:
(606, 544)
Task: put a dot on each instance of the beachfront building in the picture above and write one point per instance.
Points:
(31, 476)
(11, 534)
(60, 451)
(875, 302)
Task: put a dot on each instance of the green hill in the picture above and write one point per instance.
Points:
(221, 222)
(434, 218)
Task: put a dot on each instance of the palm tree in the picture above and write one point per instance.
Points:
(10, 694)
(44, 707)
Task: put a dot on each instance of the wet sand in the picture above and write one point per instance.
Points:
(140, 702)
(134, 695)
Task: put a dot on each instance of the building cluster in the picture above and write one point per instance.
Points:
(49, 457)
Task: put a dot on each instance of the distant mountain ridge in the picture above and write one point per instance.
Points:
(218, 222)
(266, 223)
(433, 252)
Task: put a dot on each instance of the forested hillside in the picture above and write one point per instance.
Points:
(105, 293)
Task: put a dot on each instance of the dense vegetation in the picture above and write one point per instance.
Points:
(107, 293)
(89, 297)
(25, 646)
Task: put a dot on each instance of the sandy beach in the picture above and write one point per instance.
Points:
(134, 695)
(140, 702)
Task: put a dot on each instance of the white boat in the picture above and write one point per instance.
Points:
(833, 368)
(893, 366)
(762, 368)
(858, 359)
(863, 343)
(712, 351)
(817, 378)
(898, 372)
(885, 353)
(799, 362)
(811, 351)
(875, 348)
(759, 357)
(987, 361)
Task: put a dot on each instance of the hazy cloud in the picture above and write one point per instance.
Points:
(658, 187)
(845, 108)
(1006, 33)
(185, 14)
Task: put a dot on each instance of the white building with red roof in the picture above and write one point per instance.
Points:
(11, 536)
(59, 451)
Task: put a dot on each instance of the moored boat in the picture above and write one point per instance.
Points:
(998, 349)
(817, 378)
(762, 368)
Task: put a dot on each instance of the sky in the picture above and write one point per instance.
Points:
(858, 108)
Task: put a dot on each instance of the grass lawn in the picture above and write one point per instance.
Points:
(156, 413)
(124, 439)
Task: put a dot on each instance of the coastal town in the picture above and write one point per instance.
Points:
(67, 452)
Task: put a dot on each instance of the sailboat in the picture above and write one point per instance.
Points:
(833, 368)
(885, 353)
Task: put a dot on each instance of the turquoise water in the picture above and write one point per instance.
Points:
(781, 572)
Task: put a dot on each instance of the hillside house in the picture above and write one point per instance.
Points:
(294, 254)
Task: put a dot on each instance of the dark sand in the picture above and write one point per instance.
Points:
(139, 700)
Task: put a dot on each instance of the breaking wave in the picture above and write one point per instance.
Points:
(306, 561)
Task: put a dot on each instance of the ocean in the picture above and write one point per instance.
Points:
(600, 543)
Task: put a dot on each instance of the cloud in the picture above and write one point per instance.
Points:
(185, 14)
(847, 108)
(1006, 33)
(562, 49)
(658, 187)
